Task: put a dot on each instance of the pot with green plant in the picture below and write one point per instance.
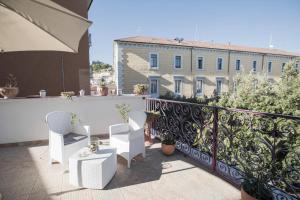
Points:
(103, 89)
(10, 90)
(259, 171)
(255, 188)
(151, 117)
(267, 162)
(168, 144)
(140, 89)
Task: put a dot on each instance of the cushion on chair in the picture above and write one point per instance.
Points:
(71, 138)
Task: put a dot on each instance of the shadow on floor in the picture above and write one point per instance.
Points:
(19, 174)
(149, 169)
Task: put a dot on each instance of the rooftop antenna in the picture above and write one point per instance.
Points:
(270, 42)
(179, 40)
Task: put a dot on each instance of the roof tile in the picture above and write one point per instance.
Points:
(203, 44)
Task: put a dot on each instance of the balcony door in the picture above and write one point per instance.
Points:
(154, 87)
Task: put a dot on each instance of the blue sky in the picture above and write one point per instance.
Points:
(244, 22)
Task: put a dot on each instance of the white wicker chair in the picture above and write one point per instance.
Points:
(64, 137)
(128, 138)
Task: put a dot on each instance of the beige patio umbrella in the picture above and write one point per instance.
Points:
(39, 25)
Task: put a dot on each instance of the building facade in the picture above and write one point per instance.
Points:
(189, 67)
(49, 70)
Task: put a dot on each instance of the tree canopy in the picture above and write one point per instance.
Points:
(257, 92)
(98, 66)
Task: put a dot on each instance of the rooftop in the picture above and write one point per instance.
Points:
(26, 174)
(204, 44)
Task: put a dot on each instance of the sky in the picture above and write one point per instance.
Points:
(240, 22)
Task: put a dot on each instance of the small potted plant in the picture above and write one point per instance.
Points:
(140, 89)
(151, 117)
(168, 145)
(10, 90)
(103, 88)
(67, 94)
(254, 188)
(93, 147)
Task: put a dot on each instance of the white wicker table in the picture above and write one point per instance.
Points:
(94, 170)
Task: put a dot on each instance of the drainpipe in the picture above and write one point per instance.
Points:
(228, 70)
(192, 88)
(262, 62)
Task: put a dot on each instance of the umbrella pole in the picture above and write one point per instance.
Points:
(62, 73)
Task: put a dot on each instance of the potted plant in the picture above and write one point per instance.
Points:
(10, 90)
(140, 89)
(168, 144)
(261, 171)
(255, 188)
(103, 88)
(67, 94)
(151, 117)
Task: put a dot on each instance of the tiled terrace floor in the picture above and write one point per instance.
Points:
(25, 174)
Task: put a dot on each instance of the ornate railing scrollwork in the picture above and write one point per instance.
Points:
(232, 141)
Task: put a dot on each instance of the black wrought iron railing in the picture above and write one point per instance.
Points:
(231, 142)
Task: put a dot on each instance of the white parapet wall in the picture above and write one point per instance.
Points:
(23, 120)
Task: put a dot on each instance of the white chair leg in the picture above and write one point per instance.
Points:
(144, 154)
(128, 163)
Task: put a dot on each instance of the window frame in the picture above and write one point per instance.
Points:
(174, 61)
(157, 55)
(157, 78)
(202, 86)
(236, 61)
(254, 61)
(178, 78)
(222, 82)
(217, 64)
(197, 63)
(269, 70)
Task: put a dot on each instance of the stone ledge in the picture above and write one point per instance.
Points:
(44, 142)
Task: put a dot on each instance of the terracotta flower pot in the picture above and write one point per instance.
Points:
(9, 92)
(246, 196)
(104, 91)
(168, 149)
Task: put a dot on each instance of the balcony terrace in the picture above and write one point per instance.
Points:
(26, 175)
(197, 170)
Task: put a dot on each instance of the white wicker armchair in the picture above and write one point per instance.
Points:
(65, 138)
(128, 138)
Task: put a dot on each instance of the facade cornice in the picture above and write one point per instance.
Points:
(169, 46)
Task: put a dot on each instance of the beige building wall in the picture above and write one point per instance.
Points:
(136, 68)
(210, 73)
(132, 63)
(277, 62)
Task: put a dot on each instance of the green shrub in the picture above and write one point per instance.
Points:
(257, 92)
